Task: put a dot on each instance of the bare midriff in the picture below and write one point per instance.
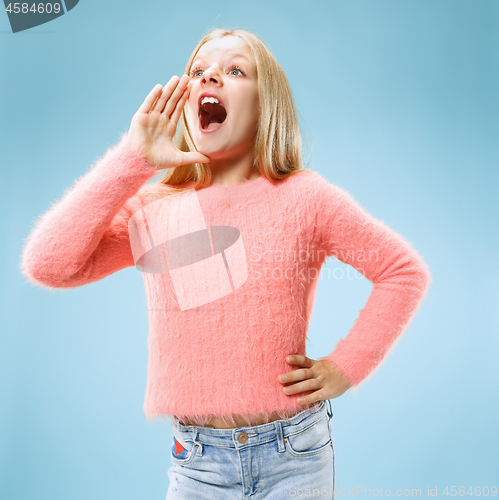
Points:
(219, 423)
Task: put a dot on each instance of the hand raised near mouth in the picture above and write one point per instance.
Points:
(154, 125)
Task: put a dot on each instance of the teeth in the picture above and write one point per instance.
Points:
(210, 99)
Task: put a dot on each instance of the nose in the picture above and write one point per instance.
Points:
(211, 74)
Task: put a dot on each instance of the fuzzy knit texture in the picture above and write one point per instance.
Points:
(222, 358)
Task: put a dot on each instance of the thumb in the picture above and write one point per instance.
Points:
(194, 157)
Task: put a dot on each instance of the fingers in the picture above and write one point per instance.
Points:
(296, 375)
(170, 95)
(299, 359)
(177, 95)
(306, 385)
(166, 96)
(180, 106)
(150, 99)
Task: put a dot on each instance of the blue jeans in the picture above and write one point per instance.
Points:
(288, 458)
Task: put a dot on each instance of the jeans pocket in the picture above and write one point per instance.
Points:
(312, 440)
(183, 453)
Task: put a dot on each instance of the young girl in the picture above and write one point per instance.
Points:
(230, 243)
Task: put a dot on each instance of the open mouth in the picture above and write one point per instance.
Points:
(211, 113)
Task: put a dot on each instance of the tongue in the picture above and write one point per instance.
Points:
(213, 126)
(211, 115)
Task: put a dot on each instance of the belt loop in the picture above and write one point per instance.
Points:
(330, 425)
(197, 444)
(280, 437)
(330, 409)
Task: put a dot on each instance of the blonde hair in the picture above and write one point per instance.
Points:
(277, 146)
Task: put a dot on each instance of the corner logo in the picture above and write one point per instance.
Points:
(170, 236)
(26, 15)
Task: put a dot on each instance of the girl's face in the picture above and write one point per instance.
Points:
(224, 69)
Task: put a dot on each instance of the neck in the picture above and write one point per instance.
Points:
(233, 171)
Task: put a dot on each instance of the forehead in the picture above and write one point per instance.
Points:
(229, 46)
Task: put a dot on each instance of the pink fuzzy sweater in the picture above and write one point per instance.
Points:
(230, 275)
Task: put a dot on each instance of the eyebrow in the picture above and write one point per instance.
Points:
(235, 55)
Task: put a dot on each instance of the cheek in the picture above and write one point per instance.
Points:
(190, 114)
(189, 107)
(255, 110)
(249, 110)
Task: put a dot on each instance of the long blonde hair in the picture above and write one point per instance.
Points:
(277, 146)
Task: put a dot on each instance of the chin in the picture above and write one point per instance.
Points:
(205, 148)
(210, 147)
(212, 154)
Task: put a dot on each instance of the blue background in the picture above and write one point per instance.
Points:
(398, 103)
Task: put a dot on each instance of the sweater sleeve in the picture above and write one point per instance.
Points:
(84, 237)
(399, 276)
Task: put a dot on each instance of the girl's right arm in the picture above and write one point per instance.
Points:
(84, 237)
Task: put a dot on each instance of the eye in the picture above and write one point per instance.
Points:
(197, 71)
(235, 68)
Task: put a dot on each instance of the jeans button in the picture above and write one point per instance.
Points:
(243, 437)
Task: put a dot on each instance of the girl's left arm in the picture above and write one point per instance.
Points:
(399, 275)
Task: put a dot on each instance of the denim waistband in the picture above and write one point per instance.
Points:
(242, 437)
